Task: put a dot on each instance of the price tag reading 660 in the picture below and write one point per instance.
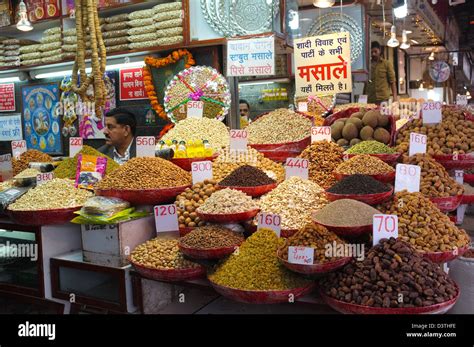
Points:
(166, 218)
(296, 167)
(407, 177)
(384, 227)
(269, 221)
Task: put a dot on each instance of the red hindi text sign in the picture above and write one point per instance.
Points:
(132, 86)
(7, 97)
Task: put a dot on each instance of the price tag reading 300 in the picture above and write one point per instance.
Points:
(201, 171)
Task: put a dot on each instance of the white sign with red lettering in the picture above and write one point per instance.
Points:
(431, 111)
(238, 140)
(461, 100)
(300, 255)
(362, 99)
(195, 109)
(146, 146)
(269, 221)
(18, 147)
(417, 144)
(166, 218)
(407, 177)
(296, 167)
(459, 176)
(320, 134)
(75, 145)
(201, 171)
(6, 167)
(44, 177)
(384, 227)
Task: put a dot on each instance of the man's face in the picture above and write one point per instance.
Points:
(375, 54)
(115, 133)
(244, 110)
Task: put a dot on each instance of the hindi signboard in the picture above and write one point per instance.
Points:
(251, 57)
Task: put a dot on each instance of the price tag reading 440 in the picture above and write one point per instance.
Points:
(195, 109)
(238, 140)
(18, 147)
(166, 218)
(44, 177)
(75, 145)
(269, 221)
(384, 227)
(300, 255)
(320, 134)
(146, 146)
(417, 144)
(296, 167)
(431, 112)
(407, 177)
(201, 171)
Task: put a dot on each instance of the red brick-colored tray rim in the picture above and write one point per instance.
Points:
(443, 257)
(262, 296)
(467, 199)
(186, 230)
(387, 158)
(370, 199)
(186, 163)
(314, 268)
(210, 253)
(447, 204)
(43, 217)
(468, 178)
(288, 147)
(227, 217)
(252, 191)
(347, 231)
(464, 161)
(384, 178)
(348, 308)
(171, 275)
(144, 196)
(285, 233)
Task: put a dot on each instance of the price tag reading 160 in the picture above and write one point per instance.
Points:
(384, 227)
(166, 218)
(269, 221)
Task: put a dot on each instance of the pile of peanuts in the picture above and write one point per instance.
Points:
(364, 164)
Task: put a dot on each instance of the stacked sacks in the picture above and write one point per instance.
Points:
(51, 46)
(114, 33)
(11, 53)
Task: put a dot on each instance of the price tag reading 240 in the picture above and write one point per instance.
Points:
(407, 177)
(320, 134)
(384, 227)
(146, 146)
(269, 221)
(417, 144)
(166, 218)
(296, 167)
(238, 140)
(44, 177)
(201, 171)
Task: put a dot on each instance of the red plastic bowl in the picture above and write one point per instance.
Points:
(186, 230)
(315, 268)
(211, 253)
(385, 178)
(370, 199)
(296, 146)
(447, 204)
(173, 275)
(467, 199)
(280, 155)
(185, 163)
(468, 178)
(351, 231)
(144, 196)
(464, 161)
(252, 191)
(43, 217)
(348, 308)
(262, 296)
(251, 228)
(227, 217)
(387, 158)
(444, 257)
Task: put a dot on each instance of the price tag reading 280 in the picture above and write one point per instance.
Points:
(166, 218)
(384, 227)
(296, 167)
(269, 221)
(238, 140)
(431, 112)
(320, 134)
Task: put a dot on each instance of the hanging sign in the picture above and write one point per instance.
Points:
(251, 57)
(323, 64)
(132, 86)
(7, 97)
(10, 128)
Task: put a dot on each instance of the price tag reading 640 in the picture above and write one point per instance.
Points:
(166, 218)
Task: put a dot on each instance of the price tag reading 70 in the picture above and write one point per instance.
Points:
(384, 227)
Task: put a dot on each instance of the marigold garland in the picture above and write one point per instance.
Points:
(159, 63)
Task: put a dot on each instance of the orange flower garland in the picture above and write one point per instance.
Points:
(159, 63)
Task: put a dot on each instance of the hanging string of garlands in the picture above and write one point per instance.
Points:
(87, 21)
(150, 62)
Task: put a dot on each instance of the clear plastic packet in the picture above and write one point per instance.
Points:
(104, 206)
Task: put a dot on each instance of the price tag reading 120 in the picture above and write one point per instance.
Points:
(18, 147)
(407, 177)
(201, 171)
(44, 177)
(431, 112)
(238, 140)
(296, 167)
(75, 145)
(146, 146)
(166, 218)
(269, 221)
(320, 134)
(384, 227)
(417, 144)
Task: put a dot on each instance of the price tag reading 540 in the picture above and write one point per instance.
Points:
(296, 167)
(384, 227)
(166, 218)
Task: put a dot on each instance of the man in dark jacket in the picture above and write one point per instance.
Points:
(120, 127)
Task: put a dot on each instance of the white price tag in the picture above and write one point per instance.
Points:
(18, 147)
(384, 227)
(269, 221)
(362, 99)
(461, 100)
(303, 106)
(195, 109)
(146, 146)
(417, 144)
(44, 177)
(75, 145)
(238, 140)
(320, 134)
(300, 255)
(6, 168)
(459, 176)
(166, 218)
(432, 112)
(296, 167)
(460, 212)
(201, 170)
(407, 177)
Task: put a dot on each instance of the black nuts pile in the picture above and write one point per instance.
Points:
(392, 275)
(246, 176)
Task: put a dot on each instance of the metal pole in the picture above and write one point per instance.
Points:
(234, 114)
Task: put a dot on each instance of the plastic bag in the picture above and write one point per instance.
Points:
(90, 170)
(104, 206)
(122, 216)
